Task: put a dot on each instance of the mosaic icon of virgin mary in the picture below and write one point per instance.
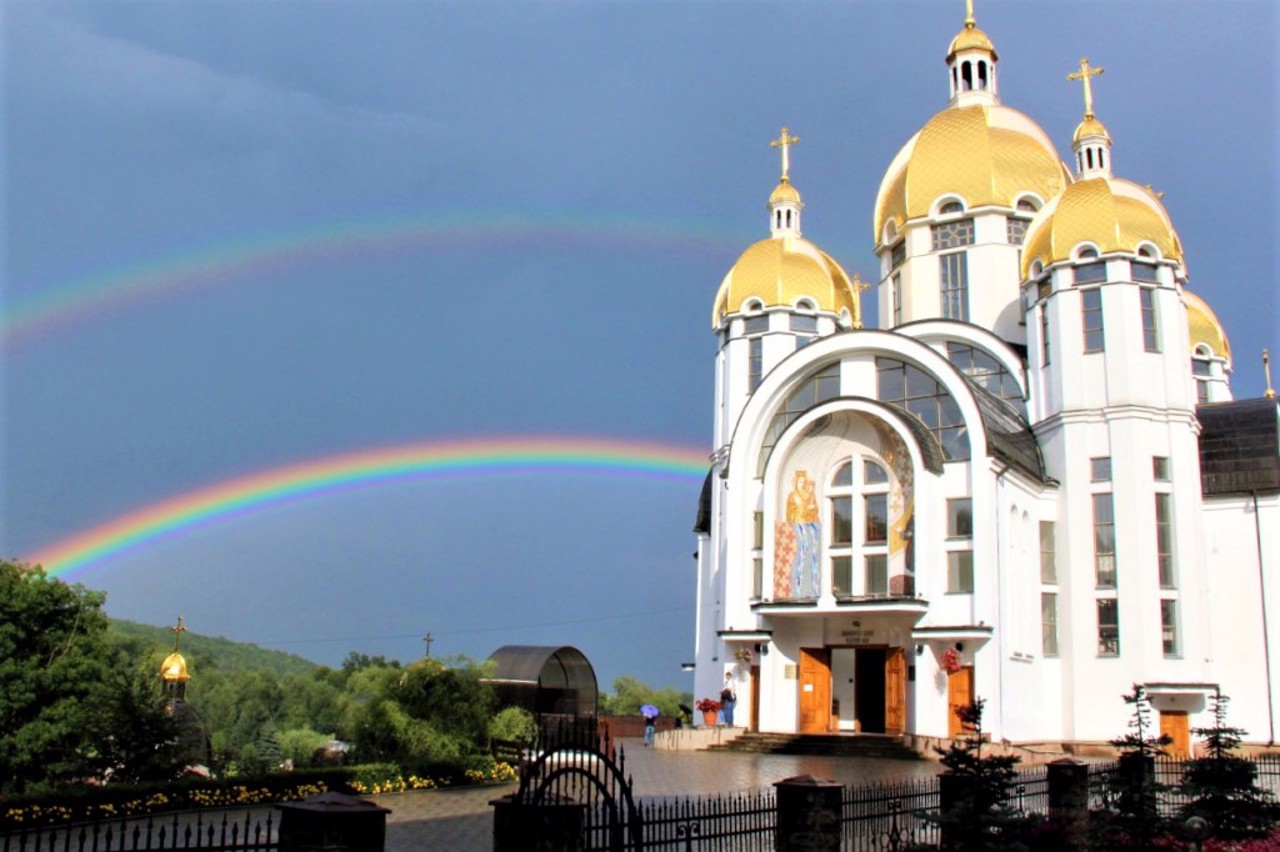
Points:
(802, 516)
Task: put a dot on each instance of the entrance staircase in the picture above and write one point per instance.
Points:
(880, 746)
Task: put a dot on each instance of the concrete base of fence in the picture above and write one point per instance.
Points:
(694, 739)
(332, 821)
(556, 823)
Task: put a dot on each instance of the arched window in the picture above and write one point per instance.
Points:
(823, 385)
(950, 207)
(1027, 205)
(985, 371)
(907, 387)
(858, 541)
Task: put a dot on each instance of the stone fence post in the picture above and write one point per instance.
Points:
(1068, 781)
(554, 825)
(332, 821)
(808, 815)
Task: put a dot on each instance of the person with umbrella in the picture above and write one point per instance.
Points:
(650, 714)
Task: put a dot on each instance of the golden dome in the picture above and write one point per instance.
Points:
(1112, 214)
(784, 192)
(983, 154)
(971, 38)
(1090, 127)
(1204, 327)
(781, 270)
(174, 668)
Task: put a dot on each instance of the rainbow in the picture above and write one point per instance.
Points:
(370, 467)
(60, 305)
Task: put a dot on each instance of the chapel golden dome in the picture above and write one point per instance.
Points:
(970, 38)
(985, 154)
(1111, 213)
(1204, 327)
(779, 272)
(174, 669)
(784, 192)
(1090, 127)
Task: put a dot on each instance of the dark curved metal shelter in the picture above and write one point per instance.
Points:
(545, 680)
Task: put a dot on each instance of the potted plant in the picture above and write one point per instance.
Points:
(709, 707)
(951, 661)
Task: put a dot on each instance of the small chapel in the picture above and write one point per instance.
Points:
(1032, 484)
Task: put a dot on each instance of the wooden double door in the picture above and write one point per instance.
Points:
(880, 690)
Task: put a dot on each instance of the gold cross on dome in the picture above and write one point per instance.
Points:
(1086, 71)
(968, 14)
(178, 629)
(785, 142)
(857, 285)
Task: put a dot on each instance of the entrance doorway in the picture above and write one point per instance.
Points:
(959, 694)
(754, 721)
(1176, 725)
(868, 690)
(815, 690)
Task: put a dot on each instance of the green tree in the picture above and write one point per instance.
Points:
(629, 694)
(1223, 787)
(981, 818)
(53, 665)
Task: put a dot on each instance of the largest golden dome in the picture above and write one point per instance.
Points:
(779, 272)
(1204, 327)
(985, 154)
(1111, 213)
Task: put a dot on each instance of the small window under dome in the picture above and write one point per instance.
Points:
(1028, 205)
(806, 305)
(753, 306)
(950, 207)
(1086, 253)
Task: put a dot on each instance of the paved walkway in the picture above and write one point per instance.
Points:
(462, 820)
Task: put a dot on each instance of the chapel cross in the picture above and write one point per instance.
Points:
(785, 142)
(857, 285)
(1086, 71)
(178, 629)
(428, 639)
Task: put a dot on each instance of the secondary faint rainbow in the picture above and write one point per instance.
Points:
(227, 500)
(58, 305)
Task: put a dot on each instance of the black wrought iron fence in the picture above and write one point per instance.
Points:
(891, 815)
(225, 831)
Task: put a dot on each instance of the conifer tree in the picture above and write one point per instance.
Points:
(1223, 786)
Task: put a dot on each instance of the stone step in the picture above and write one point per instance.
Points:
(831, 745)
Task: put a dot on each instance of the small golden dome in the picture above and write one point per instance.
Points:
(971, 38)
(1112, 214)
(174, 668)
(784, 192)
(1204, 328)
(1090, 127)
(780, 271)
(983, 154)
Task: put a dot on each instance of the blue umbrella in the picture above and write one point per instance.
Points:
(649, 711)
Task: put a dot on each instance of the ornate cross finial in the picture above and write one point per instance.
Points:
(785, 141)
(1158, 194)
(969, 21)
(1086, 71)
(857, 285)
(1266, 368)
(178, 629)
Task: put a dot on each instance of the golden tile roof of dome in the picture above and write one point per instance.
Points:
(784, 191)
(1204, 327)
(1090, 127)
(781, 270)
(174, 668)
(971, 38)
(983, 154)
(1111, 213)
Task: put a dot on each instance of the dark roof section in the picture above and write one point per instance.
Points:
(1239, 446)
(544, 679)
(1009, 437)
(702, 523)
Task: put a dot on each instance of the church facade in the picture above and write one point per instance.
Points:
(1031, 484)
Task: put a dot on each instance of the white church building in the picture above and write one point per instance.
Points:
(1031, 484)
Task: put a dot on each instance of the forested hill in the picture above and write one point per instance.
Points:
(206, 652)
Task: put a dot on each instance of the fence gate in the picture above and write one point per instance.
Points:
(574, 795)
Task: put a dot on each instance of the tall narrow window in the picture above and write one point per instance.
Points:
(953, 277)
(1164, 540)
(1048, 552)
(1091, 318)
(1044, 335)
(959, 531)
(1049, 624)
(757, 555)
(1100, 469)
(847, 552)
(1108, 627)
(897, 298)
(1104, 541)
(755, 363)
(1169, 627)
(1150, 334)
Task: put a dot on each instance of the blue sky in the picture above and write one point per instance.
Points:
(623, 146)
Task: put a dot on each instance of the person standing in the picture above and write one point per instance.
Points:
(728, 698)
